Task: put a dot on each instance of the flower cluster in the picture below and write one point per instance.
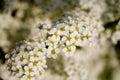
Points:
(61, 46)
(69, 33)
(77, 71)
(28, 60)
(116, 34)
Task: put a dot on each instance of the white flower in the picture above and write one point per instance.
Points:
(70, 70)
(52, 52)
(41, 50)
(40, 73)
(27, 77)
(29, 70)
(62, 29)
(25, 48)
(69, 51)
(78, 28)
(33, 64)
(34, 55)
(116, 37)
(76, 38)
(18, 71)
(42, 61)
(39, 42)
(68, 40)
(54, 34)
(52, 41)
(46, 28)
(42, 30)
(20, 60)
